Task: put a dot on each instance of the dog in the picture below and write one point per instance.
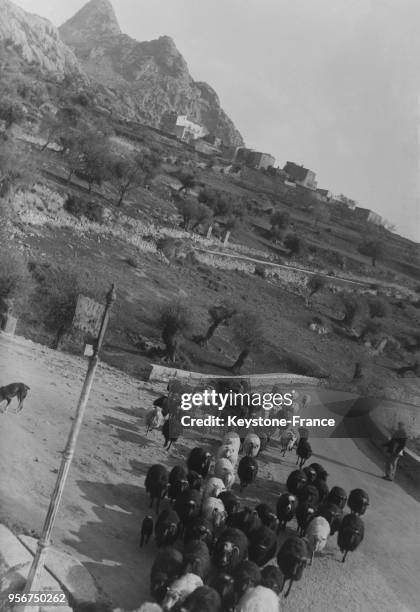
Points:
(8, 392)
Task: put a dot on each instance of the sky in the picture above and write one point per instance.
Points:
(330, 84)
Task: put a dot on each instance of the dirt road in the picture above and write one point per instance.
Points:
(104, 501)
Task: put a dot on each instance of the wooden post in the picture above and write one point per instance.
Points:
(32, 583)
(226, 238)
(209, 231)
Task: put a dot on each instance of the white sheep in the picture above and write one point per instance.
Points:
(317, 533)
(180, 589)
(252, 445)
(258, 599)
(228, 451)
(213, 487)
(288, 439)
(231, 438)
(214, 511)
(154, 419)
(225, 471)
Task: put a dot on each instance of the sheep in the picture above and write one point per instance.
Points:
(288, 439)
(187, 505)
(227, 451)
(166, 528)
(304, 513)
(224, 470)
(258, 599)
(252, 445)
(308, 493)
(332, 513)
(272, 578)
(230, 501)
(295, 481)
(203, 599)
(262, 545)
(317, 533)
(268, 516)
(322, 488)
(199, 461)
(310, 474)
(196, 559)
(303, 452)
(320, 471)
(195, 480)
(156, 484)
(264, 442)
(292, 559)
(154, 419)
(213, 487)
(177, 482)
(146, 530)
(246, 575)
(199, 528)
(180, 589)
(231, 438)
(171, 431)
(230, 549)
(224, 584)
(166, 567)
(247, 471)
(338, 496)
(214, 511)
(350, 534)
(358, 501)
(247, 520)
(285, 509)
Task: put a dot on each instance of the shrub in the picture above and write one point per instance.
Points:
(378, 307)
(174, 319)
(75, 206)
(293, 244)
(260, 270)
(370, 328)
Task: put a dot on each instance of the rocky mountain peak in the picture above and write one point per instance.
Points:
(96, 19)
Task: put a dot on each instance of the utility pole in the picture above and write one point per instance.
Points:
(32, 582)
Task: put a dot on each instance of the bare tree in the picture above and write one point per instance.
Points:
(174, 320)
(247, 334)
(219, 313)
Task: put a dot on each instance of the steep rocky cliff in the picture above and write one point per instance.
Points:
(36, 40)
(152, 77)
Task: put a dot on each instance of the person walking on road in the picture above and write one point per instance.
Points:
(394, 449)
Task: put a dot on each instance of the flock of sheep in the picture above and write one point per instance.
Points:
(216, 555)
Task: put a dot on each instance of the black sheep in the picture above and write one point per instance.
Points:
(166, 528)
(146, 530)
(224, 584)
(246, 575)
(199, 528)
(322, 488)
(175, 489)
(187, 505)
(195, 480)
(247, 471)
(171, 431)
(231, 502)
(264, 440)
(199, 461)
(337, 496)
(196, 559)
(295, 481)
(292, 558)
(308, 493)
(268, 516)
(304, 512)
(286, 509)
(350, 534)
(332, 513)
(262, 546)
(272, 578)
(247, 520)
(321, 472)
(165, 569)
(358, 501)
(156, 484)
(178, 472)
(310, 473)
(202, 599)
(230, 549)
(303, 452)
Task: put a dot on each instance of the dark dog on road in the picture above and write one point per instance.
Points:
(8, 392)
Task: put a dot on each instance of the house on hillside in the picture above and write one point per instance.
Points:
(347, 201)
(324, 195)
(181, 127)
(364, 214)
(300, 175)
(253, 159)
(203, 146)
